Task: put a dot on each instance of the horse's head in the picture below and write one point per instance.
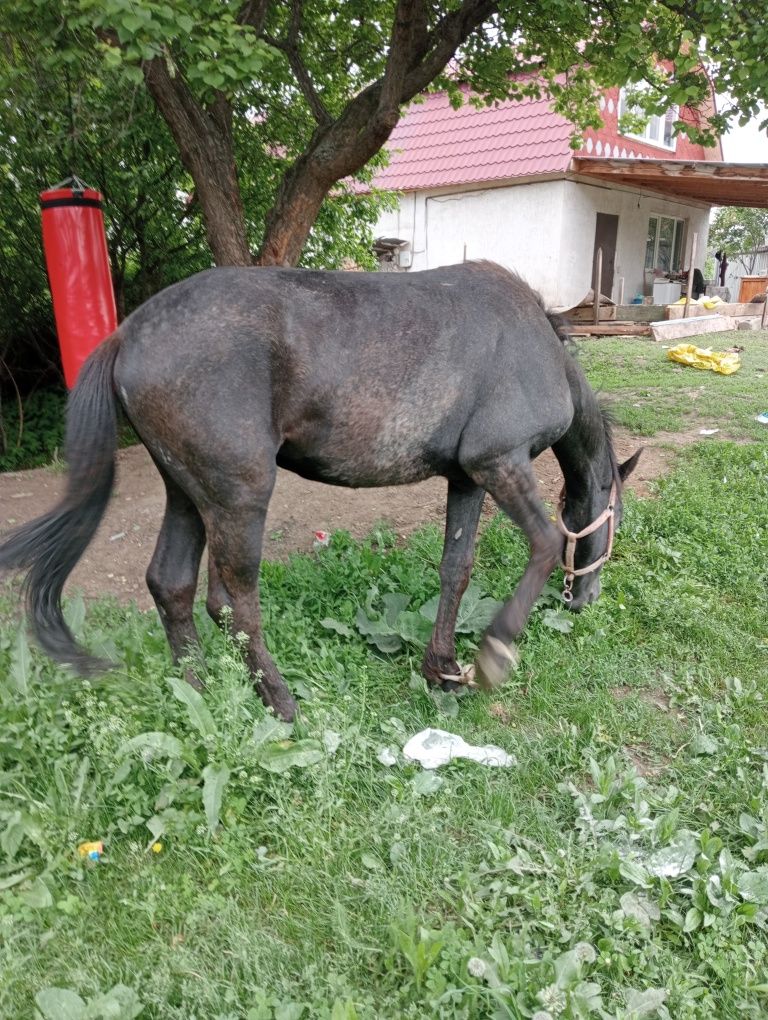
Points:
(588, 522)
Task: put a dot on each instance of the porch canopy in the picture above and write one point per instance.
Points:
(742, 184)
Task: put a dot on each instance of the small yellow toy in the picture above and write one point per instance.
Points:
(92, 851)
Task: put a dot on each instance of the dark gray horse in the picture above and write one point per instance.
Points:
(354, 379)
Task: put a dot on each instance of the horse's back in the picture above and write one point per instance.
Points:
(369, 378)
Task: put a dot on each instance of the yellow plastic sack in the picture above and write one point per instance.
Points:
(706, 301)
(724, 362)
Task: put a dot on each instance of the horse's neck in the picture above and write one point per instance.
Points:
(584, 451)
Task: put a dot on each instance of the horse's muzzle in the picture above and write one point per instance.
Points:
(589, 591)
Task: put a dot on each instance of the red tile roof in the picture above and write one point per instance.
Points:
(434, 145)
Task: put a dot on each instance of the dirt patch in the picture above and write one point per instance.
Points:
(652, 696)
(116, 560)
(642, 760)
(498, 711)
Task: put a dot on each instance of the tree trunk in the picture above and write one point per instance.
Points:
(204, 138)
(339, 148)
(335, 151)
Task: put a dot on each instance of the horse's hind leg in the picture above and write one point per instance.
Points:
(235, 537)
(462, 515)
(218, 598)
(172, 573)
(513, 485)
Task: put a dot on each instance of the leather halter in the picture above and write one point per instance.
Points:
(571, 537)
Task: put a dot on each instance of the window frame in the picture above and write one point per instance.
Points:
(677, 246)
(670, 116)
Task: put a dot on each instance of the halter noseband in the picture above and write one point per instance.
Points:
(571, 537)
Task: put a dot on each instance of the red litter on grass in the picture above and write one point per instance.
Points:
(322, 539)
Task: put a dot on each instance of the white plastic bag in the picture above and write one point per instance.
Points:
(432, 748)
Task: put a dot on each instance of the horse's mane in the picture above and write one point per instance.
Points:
(595, 428)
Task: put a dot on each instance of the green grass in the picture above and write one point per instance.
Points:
(652, 394)
(619, 870)
(340, 887)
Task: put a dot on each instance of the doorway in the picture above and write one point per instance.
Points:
(606, 232)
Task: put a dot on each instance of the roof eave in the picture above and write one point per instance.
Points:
(703, 182)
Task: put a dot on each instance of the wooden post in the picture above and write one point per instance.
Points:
(765, 310)
(690, 276)
(598, 283)
(621, 290)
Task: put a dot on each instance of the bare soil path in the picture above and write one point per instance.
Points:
(116, 561)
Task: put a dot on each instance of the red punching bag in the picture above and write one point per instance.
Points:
(78, 271)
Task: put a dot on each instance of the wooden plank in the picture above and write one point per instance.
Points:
(607, 312)
(597, 286)
(689, 288)
(732, 308)
(752, 285)
(611, 329)
(678, 329)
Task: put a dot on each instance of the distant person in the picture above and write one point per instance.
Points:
(722, 264)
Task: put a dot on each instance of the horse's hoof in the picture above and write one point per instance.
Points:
(454, 682)
(495, 660)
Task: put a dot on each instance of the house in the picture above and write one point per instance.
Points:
(502, 183)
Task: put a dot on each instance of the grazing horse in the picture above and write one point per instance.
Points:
(353, 379)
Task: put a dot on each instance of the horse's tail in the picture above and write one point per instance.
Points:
(49, 547)
(561, 326)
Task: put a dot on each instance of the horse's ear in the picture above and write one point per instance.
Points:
(626, 469)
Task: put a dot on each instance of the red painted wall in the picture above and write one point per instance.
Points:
(609, 142)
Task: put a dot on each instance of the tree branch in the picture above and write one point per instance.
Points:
(408, 34)
(254, 14)
(454, 29)
(290, 47)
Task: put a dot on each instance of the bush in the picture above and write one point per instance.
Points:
(33, 440)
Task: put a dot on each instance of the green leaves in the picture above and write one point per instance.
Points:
(119, 1003)
(640, 909)
(338, 627)
(277, 754)
(21, 671)
(60, 1004)
(753, 886)
(425, 783)
(388, 628)
(475, 611)
(380, 627)
(153, 744)
(279, 758)
(558, 619)
(197, 711)
(645, 1003)
(214, 781)
(676, 859)
(210, 47)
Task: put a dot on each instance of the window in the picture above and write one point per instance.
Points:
(658, 130)
(664, 245)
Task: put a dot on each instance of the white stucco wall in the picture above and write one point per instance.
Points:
(545, 230)
(582, 202)
(517, 227)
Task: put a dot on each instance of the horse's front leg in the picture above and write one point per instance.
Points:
(462, 515)
(513, 485)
